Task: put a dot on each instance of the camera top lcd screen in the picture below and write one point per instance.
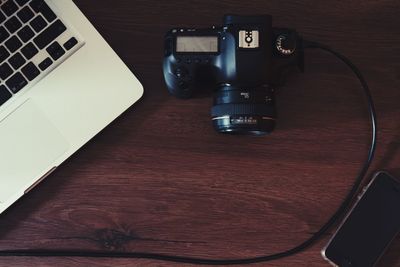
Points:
(197, 44)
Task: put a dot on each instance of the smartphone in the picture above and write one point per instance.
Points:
(369, 227)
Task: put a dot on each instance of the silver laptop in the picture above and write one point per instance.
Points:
(60, 84)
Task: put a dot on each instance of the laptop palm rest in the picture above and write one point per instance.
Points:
(27, 136)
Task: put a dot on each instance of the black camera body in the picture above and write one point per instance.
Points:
(243, 61)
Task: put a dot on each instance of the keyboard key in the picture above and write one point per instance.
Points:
(40, 6)
(45, 64)
(4, 94)
(16, 61)
(4, 54)
(25, 34)
(13, 44)
(3, 34)
(5, 71)
(16, 82)
(2, 17)
(30, 71)
(29, 51)
(25, 14)
(9, 8)
(21, 2)
(55, 51)
(13, 24)
(49, 34)
(70, 43)
(38, 24)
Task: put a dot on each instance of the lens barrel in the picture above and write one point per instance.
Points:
(248, 111)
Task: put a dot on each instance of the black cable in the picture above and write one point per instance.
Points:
(339, 213)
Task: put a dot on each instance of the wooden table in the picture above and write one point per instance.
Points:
(159, 179)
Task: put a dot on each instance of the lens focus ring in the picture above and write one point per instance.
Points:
(242, 109)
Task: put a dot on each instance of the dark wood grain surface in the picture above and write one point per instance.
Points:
(159, 179)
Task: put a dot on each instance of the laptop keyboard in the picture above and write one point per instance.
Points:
(33, 41)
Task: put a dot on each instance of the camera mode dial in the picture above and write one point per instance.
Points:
(286, 44)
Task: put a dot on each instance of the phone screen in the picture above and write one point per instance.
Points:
(370, 226)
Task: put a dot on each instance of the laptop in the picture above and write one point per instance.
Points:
(60, 84)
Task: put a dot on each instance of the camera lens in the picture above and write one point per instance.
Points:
(244, 111)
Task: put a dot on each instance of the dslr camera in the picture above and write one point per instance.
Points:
(243, 62)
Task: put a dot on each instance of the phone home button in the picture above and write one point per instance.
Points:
(347, 263)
